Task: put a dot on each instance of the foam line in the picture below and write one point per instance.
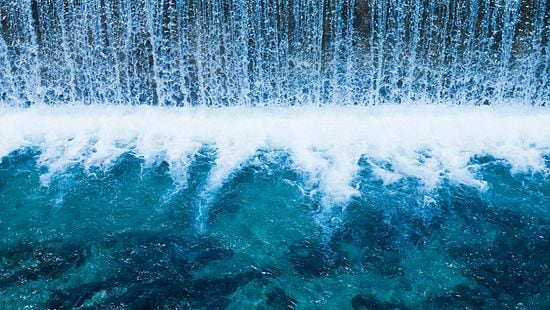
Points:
(426, 142)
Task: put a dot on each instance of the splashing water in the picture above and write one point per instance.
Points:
(288, 52)
(430, 144)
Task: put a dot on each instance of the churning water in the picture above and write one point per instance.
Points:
(254, 182)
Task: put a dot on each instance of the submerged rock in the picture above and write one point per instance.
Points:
(215, 293)
(74, 297)
(277, 298)
(310, 259)
(156, 294)
(462, 297)
(32, 261)
(370, 302)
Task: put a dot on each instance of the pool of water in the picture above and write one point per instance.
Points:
(105, 212)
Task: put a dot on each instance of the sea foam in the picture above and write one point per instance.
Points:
(430, 143)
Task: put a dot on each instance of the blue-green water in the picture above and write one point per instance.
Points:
(129, 237)
(260, 154)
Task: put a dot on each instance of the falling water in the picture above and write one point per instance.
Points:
(284, 52)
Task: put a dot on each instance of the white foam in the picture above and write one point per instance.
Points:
(426, 142)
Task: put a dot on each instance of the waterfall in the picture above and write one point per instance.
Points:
(283, 52)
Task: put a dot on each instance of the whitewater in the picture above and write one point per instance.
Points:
(430, 143)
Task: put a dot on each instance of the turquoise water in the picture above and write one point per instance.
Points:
(128, 235)
(260, 154)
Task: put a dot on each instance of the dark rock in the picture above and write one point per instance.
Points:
(229, 202)
(29, 262)
(370, 302)
(157, 294)
(214, 293)
(310, 259)
(144, 256)
(384, 262)
(278, 299)
(161, 293)
(366, 229)
(74, 297)
(515, 264)
(207, 255)
(461, 296)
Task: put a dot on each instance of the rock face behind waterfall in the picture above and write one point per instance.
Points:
(285, 52)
